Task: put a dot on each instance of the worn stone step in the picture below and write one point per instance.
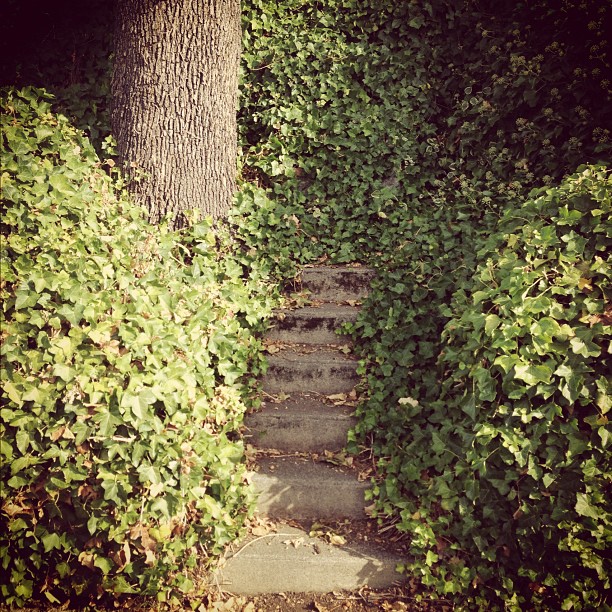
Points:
(302, 423)
(337, 284)
(290, 561)
(298, 369)
(312, 325)
(296, 488)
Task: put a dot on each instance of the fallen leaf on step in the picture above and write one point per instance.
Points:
(340, 458)
(320, 607)
(317, 530)
(371, 510)
(336, 539)
(364, 475)
(260, 530)
(296, 543)
(230, 605)
(396, 606)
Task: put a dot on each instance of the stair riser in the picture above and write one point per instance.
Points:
(309, 330)
(297, 377)
(297, 433)
(279, 497)
(335, 284)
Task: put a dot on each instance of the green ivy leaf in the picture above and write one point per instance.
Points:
(105, 564)
(584, 508)
(533, 374)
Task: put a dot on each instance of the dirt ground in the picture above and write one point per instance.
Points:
(395, 600)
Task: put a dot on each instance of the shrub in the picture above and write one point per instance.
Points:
(503, 478)
(528, 363)
(127, 357)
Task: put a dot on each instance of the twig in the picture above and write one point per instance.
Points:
(268, 535)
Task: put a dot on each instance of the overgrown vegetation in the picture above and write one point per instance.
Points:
(128, 355)
(410, 136)
(502, 473)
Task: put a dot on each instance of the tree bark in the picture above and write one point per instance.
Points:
(174, 99)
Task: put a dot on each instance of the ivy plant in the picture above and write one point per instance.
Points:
(129, 356)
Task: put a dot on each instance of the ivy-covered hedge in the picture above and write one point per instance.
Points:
(358, 116)
(527, 392)
(502, 477)
(127, 357)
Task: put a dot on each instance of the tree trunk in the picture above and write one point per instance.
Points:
(174, 100)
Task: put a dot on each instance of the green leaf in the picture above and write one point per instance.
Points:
(51, 541)
(486, 384)
(431, 558)
(584, 508)
(149, 474)
(92, 524)
(61, 184)
(584, 347)
(606, 436)
(12, 392)
(6, 450)
(112, 491)
(105, 564)
(492, 322)
(107, 422)
(533, 374)
(66, 373)
(507, 362)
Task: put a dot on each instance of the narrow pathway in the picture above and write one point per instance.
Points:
(303, 481)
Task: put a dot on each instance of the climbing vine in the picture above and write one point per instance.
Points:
(128, 360)
(407, 136)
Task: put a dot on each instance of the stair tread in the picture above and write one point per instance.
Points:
(290, 560)
(301, 423)
(339, 283)
(304, 404)
(325, 309)
(293, 487)
(296, 469)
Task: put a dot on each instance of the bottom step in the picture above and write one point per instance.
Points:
(293, 562)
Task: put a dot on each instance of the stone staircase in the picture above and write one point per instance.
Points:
(296, 435)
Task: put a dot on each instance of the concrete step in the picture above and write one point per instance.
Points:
(296, 488)
(290, 561)
(298, 369)
(312, 325)
(337, 284)
(302, 423)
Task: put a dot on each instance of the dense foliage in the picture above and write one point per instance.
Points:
(398, 134)
(128, 354)
(502, 475)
